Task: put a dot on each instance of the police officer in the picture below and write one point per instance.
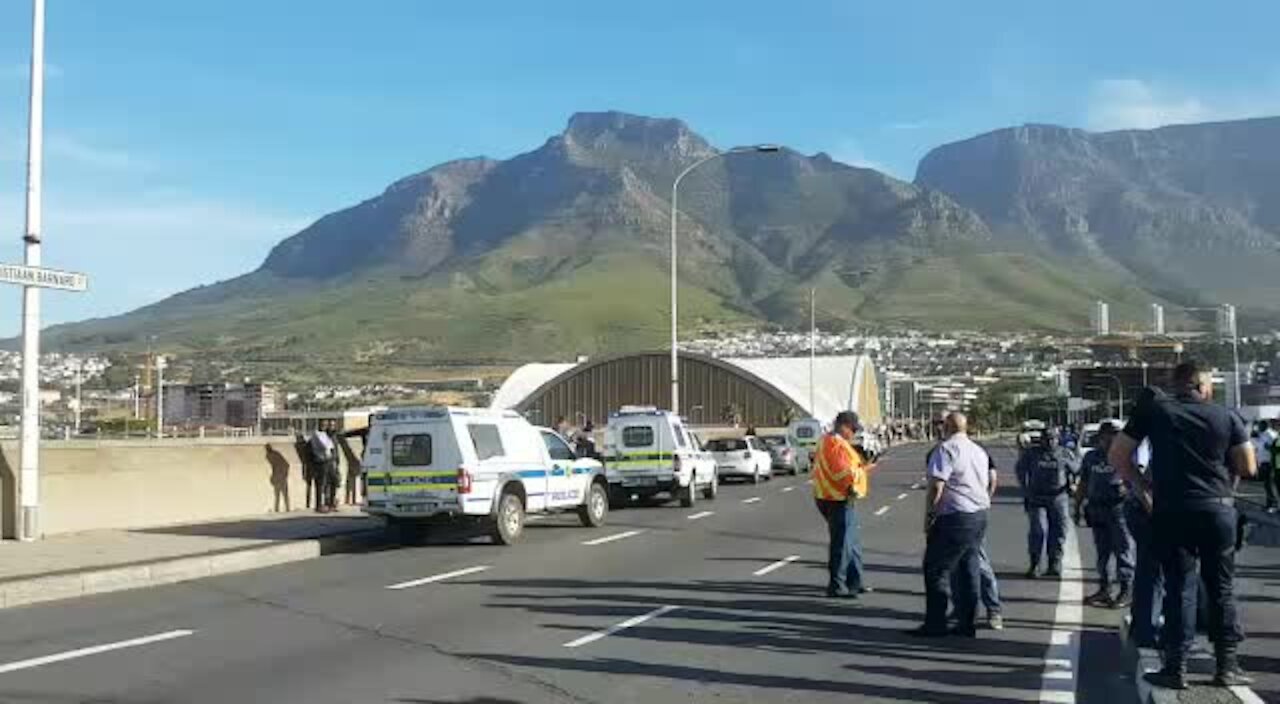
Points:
(1196, 447)
(1102, 492)
(1046, 474)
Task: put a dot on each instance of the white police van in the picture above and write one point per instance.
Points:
(432, 463)
(805, 434)
(648, 452)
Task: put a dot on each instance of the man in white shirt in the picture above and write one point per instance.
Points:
(1264, 439)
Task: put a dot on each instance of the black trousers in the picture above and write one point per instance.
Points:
(953, 544)
(1267, 473)
(1207, 534)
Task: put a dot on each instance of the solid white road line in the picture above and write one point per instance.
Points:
(776, 566)
(882, 510)
(1062, 663)
(700, 514)
(611, 538)
(629, 623)
(95, 650)
(1246, 695)
(902, 496)
(751, 500)
(439, 577)
(790, 488)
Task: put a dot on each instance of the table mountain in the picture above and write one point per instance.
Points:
(564, 249)
(1189, 211)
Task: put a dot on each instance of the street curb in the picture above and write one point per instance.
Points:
(24, 591)
(1261, 528)
(1146, 660)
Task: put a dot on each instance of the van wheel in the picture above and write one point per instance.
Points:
(596, 506)
(689, 495)
(712, 489)
(508, 525)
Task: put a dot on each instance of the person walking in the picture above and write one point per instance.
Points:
(955, 527)
(323, 453)
(1196, 448)
(1046, 473)
(840, 479)
(1102, 493)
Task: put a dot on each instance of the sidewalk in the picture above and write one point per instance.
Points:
(69, 566)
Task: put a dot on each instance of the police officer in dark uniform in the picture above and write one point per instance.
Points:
(1102, 492)
(1047, 473)
(1196, 447)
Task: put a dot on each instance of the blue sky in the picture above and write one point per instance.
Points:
(185, 138)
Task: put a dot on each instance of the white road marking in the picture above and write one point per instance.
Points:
(615, 536)
(439, 577)
(1062, 663)
(790, 488)
(751, 500)
(882, 510)
(700, 514)
(94, 650)
(1246, 695)
(629, 623)
(902, 496)
(776, 566)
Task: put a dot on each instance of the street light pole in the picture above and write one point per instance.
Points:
(29, 450)
(813, 345)
(1120, 387)
(675, 215)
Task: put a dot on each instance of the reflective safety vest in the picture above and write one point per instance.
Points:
(838, 470)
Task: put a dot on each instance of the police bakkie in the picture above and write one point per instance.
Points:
(427, 464)
(648, 452)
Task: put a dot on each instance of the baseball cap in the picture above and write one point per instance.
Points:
(848, 418)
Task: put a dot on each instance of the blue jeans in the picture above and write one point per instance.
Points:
(844, 555)
(1148, 579)
(1052, 511)
(989, 588)
(953, 545)
(1206, 534)
(1111, 537)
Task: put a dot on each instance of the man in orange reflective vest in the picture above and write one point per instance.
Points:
(839, 480)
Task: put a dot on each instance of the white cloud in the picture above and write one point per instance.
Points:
(1131, 103)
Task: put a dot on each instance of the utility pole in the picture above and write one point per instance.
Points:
(79, 401)
(160, 364)
(813, 346)
(137, 396)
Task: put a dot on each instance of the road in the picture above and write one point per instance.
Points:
(721, 602)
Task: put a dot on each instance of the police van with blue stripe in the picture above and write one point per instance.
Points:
(427, 464)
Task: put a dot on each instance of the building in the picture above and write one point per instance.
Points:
(763, 391)
(226, 405)
(1157, 319)
(924, 398)
(1101, 318)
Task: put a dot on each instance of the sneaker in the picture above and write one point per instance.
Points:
(1123, 600)
(1167, 678)
(1098, 598)
(866, 590)
(1272, 509)
(1231, 676)
(995, 622)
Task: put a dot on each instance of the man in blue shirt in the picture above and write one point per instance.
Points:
(1196, 448)
(1102, 491)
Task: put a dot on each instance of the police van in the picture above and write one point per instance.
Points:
(490, 466)
(805, 434)
(649, 452)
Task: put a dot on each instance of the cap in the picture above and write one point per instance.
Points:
(1109, 427)
(848, 418)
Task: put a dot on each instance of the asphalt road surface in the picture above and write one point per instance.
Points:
(721, 602)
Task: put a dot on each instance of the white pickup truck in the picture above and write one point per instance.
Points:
(492, 466)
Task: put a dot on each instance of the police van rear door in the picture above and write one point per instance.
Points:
(417, 471)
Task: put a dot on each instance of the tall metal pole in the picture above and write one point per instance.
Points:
(160, 362)
(137, 396)
(1235, 350)
(79, 372)
(29, 450)
(675, 195)
(813, 346)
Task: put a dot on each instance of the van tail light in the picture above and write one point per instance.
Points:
(746, 455)
(676, 463)
(464, 481)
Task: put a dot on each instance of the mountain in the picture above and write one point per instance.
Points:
(564, 250)
(1191, 212)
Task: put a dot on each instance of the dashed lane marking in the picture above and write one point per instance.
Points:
(751, 500)
(629, 623)
(94, 650)
(902, 496)
(615, 536)
(882, 510)
(700, 514)
(776, 565)
(439, 577)
(790, 488)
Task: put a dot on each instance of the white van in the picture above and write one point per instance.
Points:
(649, 452)
(482, 464)
(805, 434)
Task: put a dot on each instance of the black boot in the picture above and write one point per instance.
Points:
(1124, 599)
(1055, 570)
(1229, 673)
(1171, 676)
(1100, 597)
(1033, 571)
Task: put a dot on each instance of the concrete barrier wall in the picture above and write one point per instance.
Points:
(140, 484)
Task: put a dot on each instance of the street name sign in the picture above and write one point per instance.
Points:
(44, 278)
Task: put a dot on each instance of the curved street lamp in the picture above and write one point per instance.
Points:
(675, 194)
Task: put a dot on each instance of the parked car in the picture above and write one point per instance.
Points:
(741, 458)
(648, 452)
(782, 452)
(490, 466)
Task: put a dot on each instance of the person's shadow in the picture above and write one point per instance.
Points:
(279, 477)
